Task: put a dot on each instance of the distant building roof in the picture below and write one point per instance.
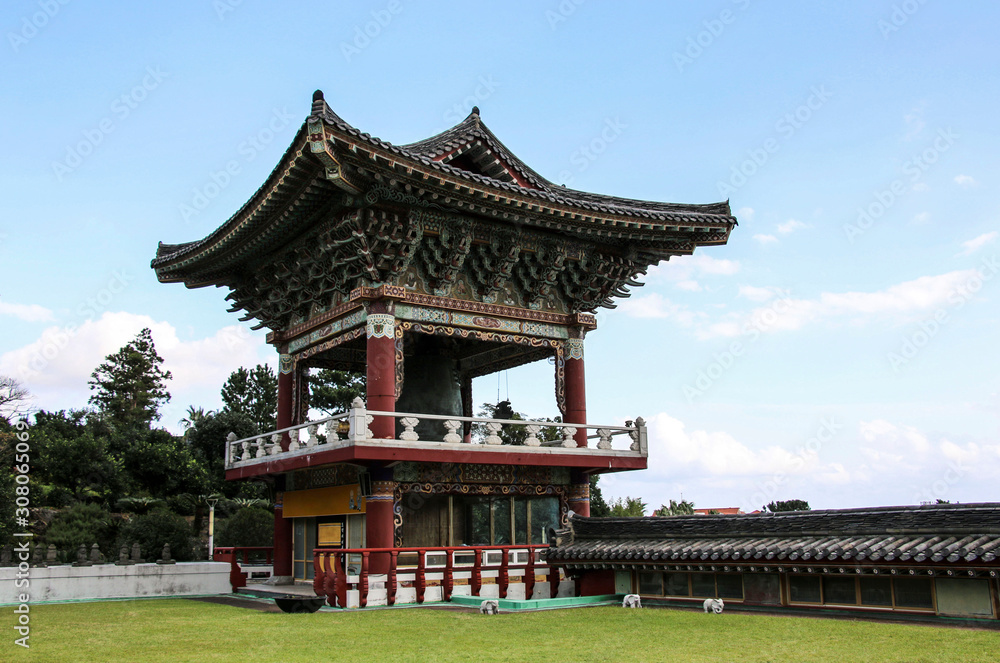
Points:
(955, 533)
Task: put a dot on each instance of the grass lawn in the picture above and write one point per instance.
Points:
(183, 630)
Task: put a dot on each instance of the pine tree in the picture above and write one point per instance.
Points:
(255, 394)
(130, 386)
(332, 391)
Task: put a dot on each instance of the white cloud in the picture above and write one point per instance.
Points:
(973, 245)
(746, 213)
(755, 294)
(921, 186)
(683, 271)
(903, 302)
(965, 181)
(790, 226)
(765, 239)
(914, 122)
(922, 218)
(655, 305)
(26, 312)
(689, 285)
(57, 366)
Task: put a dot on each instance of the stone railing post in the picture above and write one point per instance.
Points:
(358, 418)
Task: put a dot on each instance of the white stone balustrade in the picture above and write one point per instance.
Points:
(495, 434)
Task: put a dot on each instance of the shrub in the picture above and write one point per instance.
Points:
(81, 523)
(155, 529)
(252, 526)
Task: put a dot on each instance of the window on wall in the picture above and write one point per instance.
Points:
(703, 585)
(503, 520)
(804, 589)
(913, 593)
(840, 590)
(676, 584)
(650, 584)
(730, 585)
(875, 590)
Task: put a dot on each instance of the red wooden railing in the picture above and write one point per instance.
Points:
(241, 556)
(330, 574)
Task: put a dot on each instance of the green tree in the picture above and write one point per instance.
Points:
(163, 465)
(194, 415)
(598, 507)
(630, 507)
(332, 392)
(153, 530)
(207, 441)
(787, 505)
(72, 459)
(252, 526)
(14, 399)
(130, 386)
(682, 508)
(253, 393)
(85, 524)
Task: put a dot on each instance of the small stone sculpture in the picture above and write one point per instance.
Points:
(81, 556)
(136, 554)
(490, 607)
(36, 557)
(123, 559)
(165, 559)
(51, 554)
(715, 605)
(631, 601)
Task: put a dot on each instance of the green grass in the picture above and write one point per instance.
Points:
(182, 630)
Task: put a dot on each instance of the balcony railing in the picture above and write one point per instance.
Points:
(429, 574)
(352, 428)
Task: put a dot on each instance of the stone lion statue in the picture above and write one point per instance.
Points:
(631, 601)
(715, 605)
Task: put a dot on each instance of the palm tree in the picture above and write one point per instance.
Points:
(195, 415)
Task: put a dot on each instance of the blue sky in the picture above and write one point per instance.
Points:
(840, 349)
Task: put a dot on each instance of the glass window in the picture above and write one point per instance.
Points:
(703, 585)
(762, 588)
(840, 589)
(544, 514)
(651, 584)
(676, 584)
(913, 593)
(520, 520)
(876, 590)
(730, 585)
(501, 521)
(804, 589)
(479, 521)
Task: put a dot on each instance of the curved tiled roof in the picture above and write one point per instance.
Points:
(933, 533)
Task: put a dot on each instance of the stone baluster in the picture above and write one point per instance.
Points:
(408, 434)
(452, 436)
(494, 430)
(231, 452)
(261, 446)
(293, 439)
(605, 441)
(639, 441)
(369, 435)
(311, 432)
(568, 433)
(532, 439)
(332, 434)
(275, 448)
(245, 444)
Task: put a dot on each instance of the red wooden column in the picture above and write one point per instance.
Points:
(379, 518)
(381, 368)
(576, 389)
(579, 493)
(282, 526)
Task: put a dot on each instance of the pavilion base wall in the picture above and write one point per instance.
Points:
(110, 581)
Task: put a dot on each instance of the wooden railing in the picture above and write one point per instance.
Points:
(238, 557)
(332, 577)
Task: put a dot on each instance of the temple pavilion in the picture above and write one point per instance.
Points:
(425, 266)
